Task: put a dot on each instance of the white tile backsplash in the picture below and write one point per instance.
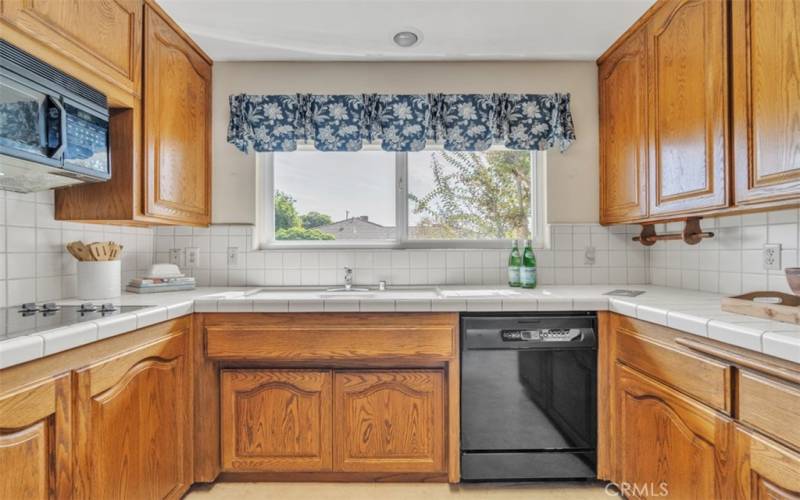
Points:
(34, 264)
(731, 262)
(563, 264)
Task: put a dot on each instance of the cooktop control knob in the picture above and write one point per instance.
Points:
(87, 307)
(108, 308)
(28, 309)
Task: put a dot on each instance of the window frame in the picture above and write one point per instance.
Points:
(264, 232)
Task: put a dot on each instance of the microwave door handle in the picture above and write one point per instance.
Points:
(62, 126)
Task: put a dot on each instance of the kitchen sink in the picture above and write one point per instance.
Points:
(356, 293)
(347, 292)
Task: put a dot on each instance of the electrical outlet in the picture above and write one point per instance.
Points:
(176, 256)
(590, 256)
(193, 257)
(772, 257)
(233, 256)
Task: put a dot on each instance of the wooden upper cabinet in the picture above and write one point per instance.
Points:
(35, 441)
(103, 37)
(623, 132)
(177, 125)
(133, 423)
(766, 100)
(160, 144)
(665, 439)
(687, 42)
(276, 420)
(389, 421)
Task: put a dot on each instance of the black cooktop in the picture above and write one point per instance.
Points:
(32, 318)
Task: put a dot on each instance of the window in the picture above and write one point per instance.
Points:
(373, 198)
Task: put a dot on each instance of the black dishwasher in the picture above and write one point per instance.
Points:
(528, 396)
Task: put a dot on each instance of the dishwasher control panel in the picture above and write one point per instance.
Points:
(529, 331)
(542, 335)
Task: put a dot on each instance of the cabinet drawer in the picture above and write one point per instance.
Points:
(769, 406)
(281, 343)
(706, 380)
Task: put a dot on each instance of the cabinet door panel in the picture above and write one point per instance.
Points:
(688, 92)
(177, 126)
(134, 423)
(623, 133)
(389, 421)
(35, 441)
(766, 470)
(766, 99)
(104, 36)
(276, 420)
(26, 452)
(667, 440)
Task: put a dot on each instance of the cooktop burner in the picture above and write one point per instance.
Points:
(31, 318)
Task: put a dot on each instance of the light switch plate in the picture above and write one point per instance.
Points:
(772, 257)
(193, 257)
(233, 256)
(176, 256)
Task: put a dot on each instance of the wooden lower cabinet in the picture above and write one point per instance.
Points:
(667, 442)
(380, 421)
(765, 469)
(35, 439)
(133, 423)
(389, 421)
(276, 420)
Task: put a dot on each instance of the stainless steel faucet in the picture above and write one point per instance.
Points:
(348, 278)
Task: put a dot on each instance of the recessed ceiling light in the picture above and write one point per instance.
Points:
(406, 39)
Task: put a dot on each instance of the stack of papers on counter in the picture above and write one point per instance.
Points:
(162, 284)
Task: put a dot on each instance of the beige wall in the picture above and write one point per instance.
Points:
(572, 178)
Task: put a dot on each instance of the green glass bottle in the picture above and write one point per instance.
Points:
(528, 270)
(514, 265)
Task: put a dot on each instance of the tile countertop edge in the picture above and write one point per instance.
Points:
(692, 312)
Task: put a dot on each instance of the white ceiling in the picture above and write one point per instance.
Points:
(336, 30)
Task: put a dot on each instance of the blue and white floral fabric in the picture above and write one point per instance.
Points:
(399, 122)
(536, 122)
(466, 122)
(268, 122)
(335, 122)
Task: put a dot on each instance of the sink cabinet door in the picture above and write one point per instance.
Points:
(669, 443)
(133, 423)
(276, 420)
(389, 421)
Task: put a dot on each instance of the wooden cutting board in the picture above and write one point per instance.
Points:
(783, 306)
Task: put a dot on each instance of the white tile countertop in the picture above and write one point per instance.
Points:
(693, 312)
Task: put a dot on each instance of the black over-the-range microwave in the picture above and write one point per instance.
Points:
(53, 128)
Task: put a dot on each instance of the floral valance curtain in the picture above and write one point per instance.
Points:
(400, 122)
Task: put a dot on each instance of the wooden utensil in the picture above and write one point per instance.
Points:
(80, 251)
(99, 250)
(114, 250)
